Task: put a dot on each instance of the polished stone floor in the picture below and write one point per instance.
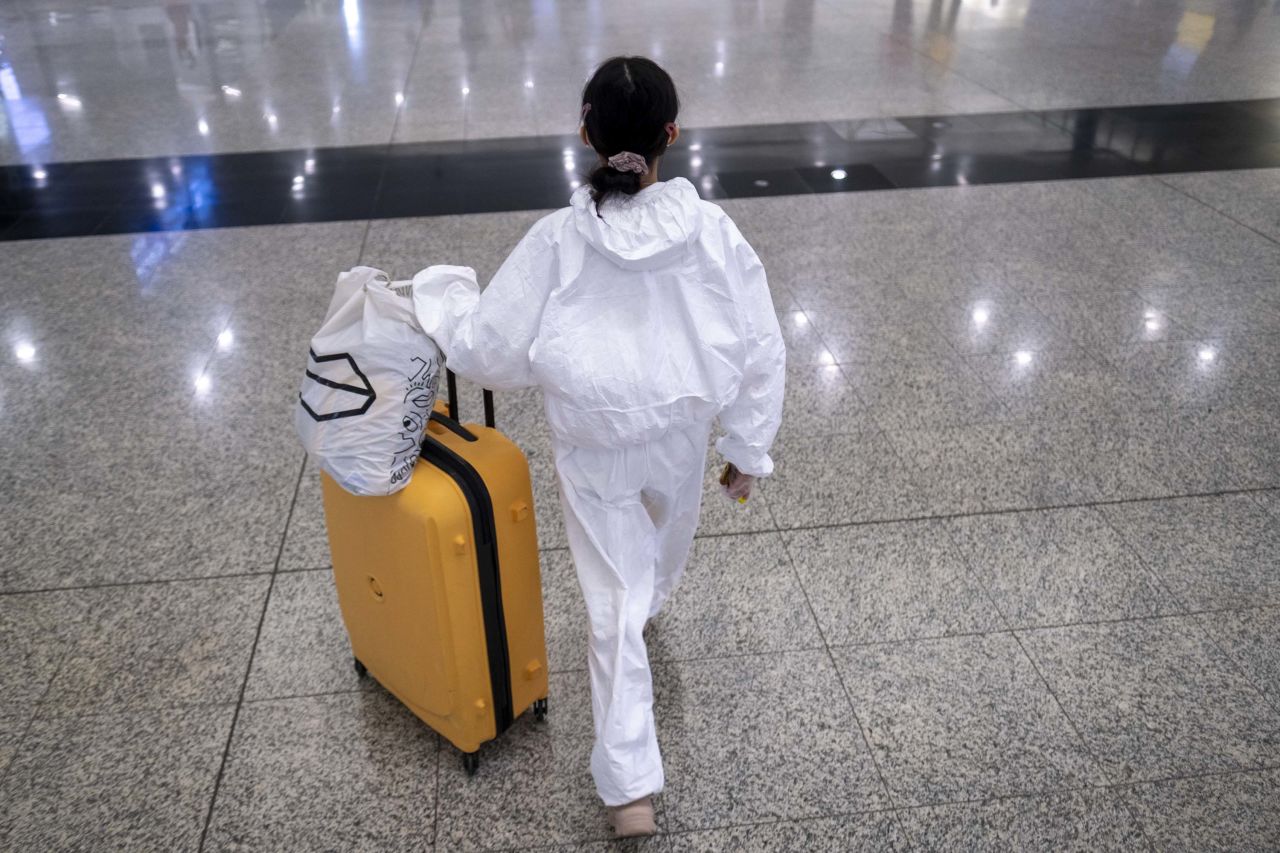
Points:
(100, 79)
(1016, 583)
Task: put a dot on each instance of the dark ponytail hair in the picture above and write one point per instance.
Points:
(627, 105)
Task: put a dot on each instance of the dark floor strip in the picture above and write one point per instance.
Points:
(442, 178)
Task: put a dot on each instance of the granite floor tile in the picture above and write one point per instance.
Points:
(1155, 698)
(820, 401)
(1252, 639)
(876, 831)
(1269, 500)
(1209, 552)
(618, 845)
(306, 542)
(739, 595)
(13, 725)
(37, 631)
(1110, 318)
(721, 514)
(888, 582)
(839, 479)
(1057, 567)
(903, 394)
(564, 613)
(1201, 451)
(1182, 375)
(960, 718)
(805, 347)
(1219, 305)
(1002, 325)
(864, 335)
(533, 787)
(1053, 383)
(1233, 811)
(132, 781)
(1173, 222)
(1248, 196)
(160, 645)
(303, 646)
(353, 771)
(1098, 456)
(546, 501)
(197, 513)
(1078, 820)
(759, 738)
(979, 467)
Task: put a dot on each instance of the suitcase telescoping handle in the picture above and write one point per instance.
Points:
(452, 382)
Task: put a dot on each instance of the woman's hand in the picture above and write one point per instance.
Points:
(737, 485)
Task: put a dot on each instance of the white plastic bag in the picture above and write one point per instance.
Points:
(370, 385)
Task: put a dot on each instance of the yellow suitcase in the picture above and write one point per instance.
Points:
(439, 583)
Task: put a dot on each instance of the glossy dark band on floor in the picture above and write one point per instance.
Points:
(434, 179)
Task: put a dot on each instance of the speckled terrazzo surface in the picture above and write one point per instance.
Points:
(1015, 585)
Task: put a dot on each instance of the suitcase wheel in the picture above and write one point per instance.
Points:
(540, 709)
(361, 671)
(471, 762)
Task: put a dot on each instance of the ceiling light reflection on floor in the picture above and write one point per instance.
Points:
(25, 352)
(839, 174)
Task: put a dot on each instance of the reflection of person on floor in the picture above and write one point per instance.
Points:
(643, 315)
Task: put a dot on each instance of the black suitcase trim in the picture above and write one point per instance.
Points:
(486, 539)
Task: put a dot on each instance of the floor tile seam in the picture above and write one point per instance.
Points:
(909, 43)
(1147, 236)
(1071, 721)
(1146, 564)
(319, 694)
(1263, 768)
(1189, 613)
(54, 711)
(942, 638)
(408, 78)
(1030, 509)
(124, 584)
(368, 227)
(31, 721)
(1234, 664)
(253, 649)
(719, 827)
(1045, 793)
(848, 697)
(555, 549)
(657, 662)
(1037, 794)
(1217, 210)
(972, 571)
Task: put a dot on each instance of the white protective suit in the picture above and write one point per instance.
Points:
(641, 326)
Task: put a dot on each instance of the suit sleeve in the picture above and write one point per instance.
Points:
(486, 337)
(751, 421)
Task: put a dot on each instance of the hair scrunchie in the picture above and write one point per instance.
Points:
(627, 161)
